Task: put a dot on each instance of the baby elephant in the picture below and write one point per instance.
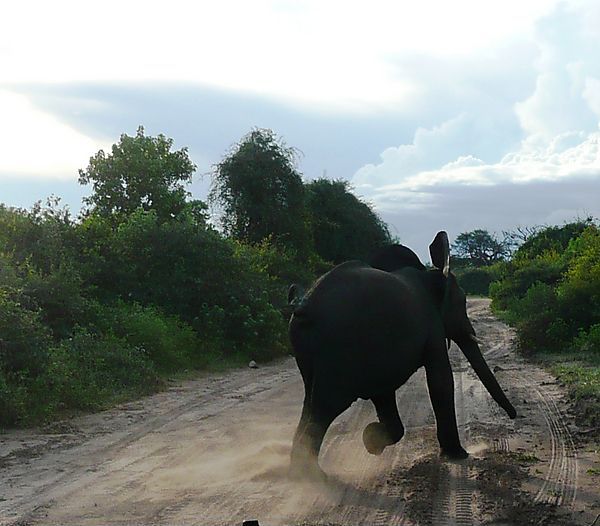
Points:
(362, 330)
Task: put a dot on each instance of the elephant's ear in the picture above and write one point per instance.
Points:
(440, 252)
(395, 257)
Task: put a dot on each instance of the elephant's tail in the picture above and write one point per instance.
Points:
(293, 294)
(296, 298)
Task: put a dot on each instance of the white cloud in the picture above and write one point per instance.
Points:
(335, 53)
(341, 55)
(36, 143)
(591, 94)
(559, 120)
(429, 149)
(565, 92)
(552, 163)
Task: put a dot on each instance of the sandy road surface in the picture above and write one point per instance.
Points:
(215, 451)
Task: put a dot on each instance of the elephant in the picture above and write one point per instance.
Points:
(362, 330)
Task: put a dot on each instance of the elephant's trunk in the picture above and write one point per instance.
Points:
(471, 350)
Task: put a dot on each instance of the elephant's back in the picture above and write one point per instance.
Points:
(355, 304)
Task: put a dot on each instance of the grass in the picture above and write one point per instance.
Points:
(27, 404)
(523, 457)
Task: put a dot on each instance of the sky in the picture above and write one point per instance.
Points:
(442, 115)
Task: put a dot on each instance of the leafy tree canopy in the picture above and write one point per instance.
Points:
(343, 226)
(480, 248)
(552, 239)
(140, 172)
(261, 192)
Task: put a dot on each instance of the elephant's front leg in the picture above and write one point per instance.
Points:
(441, 391)
(389, 430)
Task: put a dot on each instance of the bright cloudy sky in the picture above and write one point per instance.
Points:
(445, 115)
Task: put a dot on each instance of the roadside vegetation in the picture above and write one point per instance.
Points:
(144, 284)
(140, 286)
(545, 282)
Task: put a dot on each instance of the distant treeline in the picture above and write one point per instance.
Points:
(142, 285)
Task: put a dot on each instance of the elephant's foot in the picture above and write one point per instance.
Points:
(376, 438)
(455, 453)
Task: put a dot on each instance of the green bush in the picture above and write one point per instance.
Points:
(58, 296)
(579, 292)
(24, 340)
(85, 372)
(588, 341)
(42, 238)
(88, 371)
(551, 239)
(536, 319)
(551, 290)
(280, 266)
(475, 280)
(13, 397)
(257, 329)
(516, 277)
(187, 270)
(168, 342)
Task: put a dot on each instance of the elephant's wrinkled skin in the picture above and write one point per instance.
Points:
(362, 330)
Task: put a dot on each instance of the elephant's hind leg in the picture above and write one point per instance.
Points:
(319, 411)
(389, 430)
(440, 383)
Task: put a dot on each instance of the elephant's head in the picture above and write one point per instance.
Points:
(451, 301)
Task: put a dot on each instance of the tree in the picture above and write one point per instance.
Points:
(515, 238)
(261, 192)
(552, 238)
(480, 247)
(343, 226)
(140, 172)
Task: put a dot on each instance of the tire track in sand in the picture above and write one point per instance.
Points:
(454, 499)
(560, 484)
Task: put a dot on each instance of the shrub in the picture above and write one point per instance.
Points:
(588, 341)
(536, 318)
(88, 371)
(579, 292)
(42, 237)
(58, 296)
(475, 280)
(24, 339)
(516, 278)
(187, 270)
(551, 290)
(551, 239)
(85, 372)
(167, 341)
(279, 265)
(256, 328)
(13, 397)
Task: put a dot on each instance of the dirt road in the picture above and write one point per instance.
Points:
(215, 451)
